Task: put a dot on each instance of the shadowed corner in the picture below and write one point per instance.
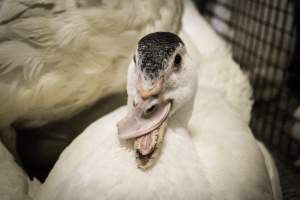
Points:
(40, 147)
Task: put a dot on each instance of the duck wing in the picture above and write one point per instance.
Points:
(31, 30)
(24, 33)
(75, 50)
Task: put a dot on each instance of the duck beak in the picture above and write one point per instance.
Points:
(147, 132)
(139, 121)
(136, 124)
(145, 123)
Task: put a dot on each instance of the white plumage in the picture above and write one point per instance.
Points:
(217, 158)
(58, 57)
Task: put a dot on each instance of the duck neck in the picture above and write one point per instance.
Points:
(183, 115)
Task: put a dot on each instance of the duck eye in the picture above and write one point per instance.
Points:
(177, 62)
(177, 59)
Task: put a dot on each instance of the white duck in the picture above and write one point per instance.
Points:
(58, 57)
(217, 159)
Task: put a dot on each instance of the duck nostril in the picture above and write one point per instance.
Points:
(150, 109)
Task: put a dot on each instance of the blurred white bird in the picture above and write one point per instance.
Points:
(58, 57)
(216, 157)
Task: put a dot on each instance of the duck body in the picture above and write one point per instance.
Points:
(209, 152)
(222, 161)
(214, 157)
(113, 173)
(233, 161)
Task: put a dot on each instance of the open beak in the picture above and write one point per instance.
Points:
(146, 128)
(135, 124)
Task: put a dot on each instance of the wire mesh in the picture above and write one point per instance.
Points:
(264, 39)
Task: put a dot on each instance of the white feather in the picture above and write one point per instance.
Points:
(55, 64)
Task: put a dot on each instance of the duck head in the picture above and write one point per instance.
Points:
(161, 82)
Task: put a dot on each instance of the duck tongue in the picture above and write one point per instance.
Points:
(148, 147)
(147, 132)
(135, 124)
(146, 143)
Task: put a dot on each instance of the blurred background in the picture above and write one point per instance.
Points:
(264, 37)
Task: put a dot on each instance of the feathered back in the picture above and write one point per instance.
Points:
(57, 57)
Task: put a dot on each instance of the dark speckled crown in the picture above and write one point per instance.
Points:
(154, 49)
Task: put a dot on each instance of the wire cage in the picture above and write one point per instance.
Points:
(265, 41)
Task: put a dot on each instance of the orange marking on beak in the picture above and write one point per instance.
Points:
(155, 90)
